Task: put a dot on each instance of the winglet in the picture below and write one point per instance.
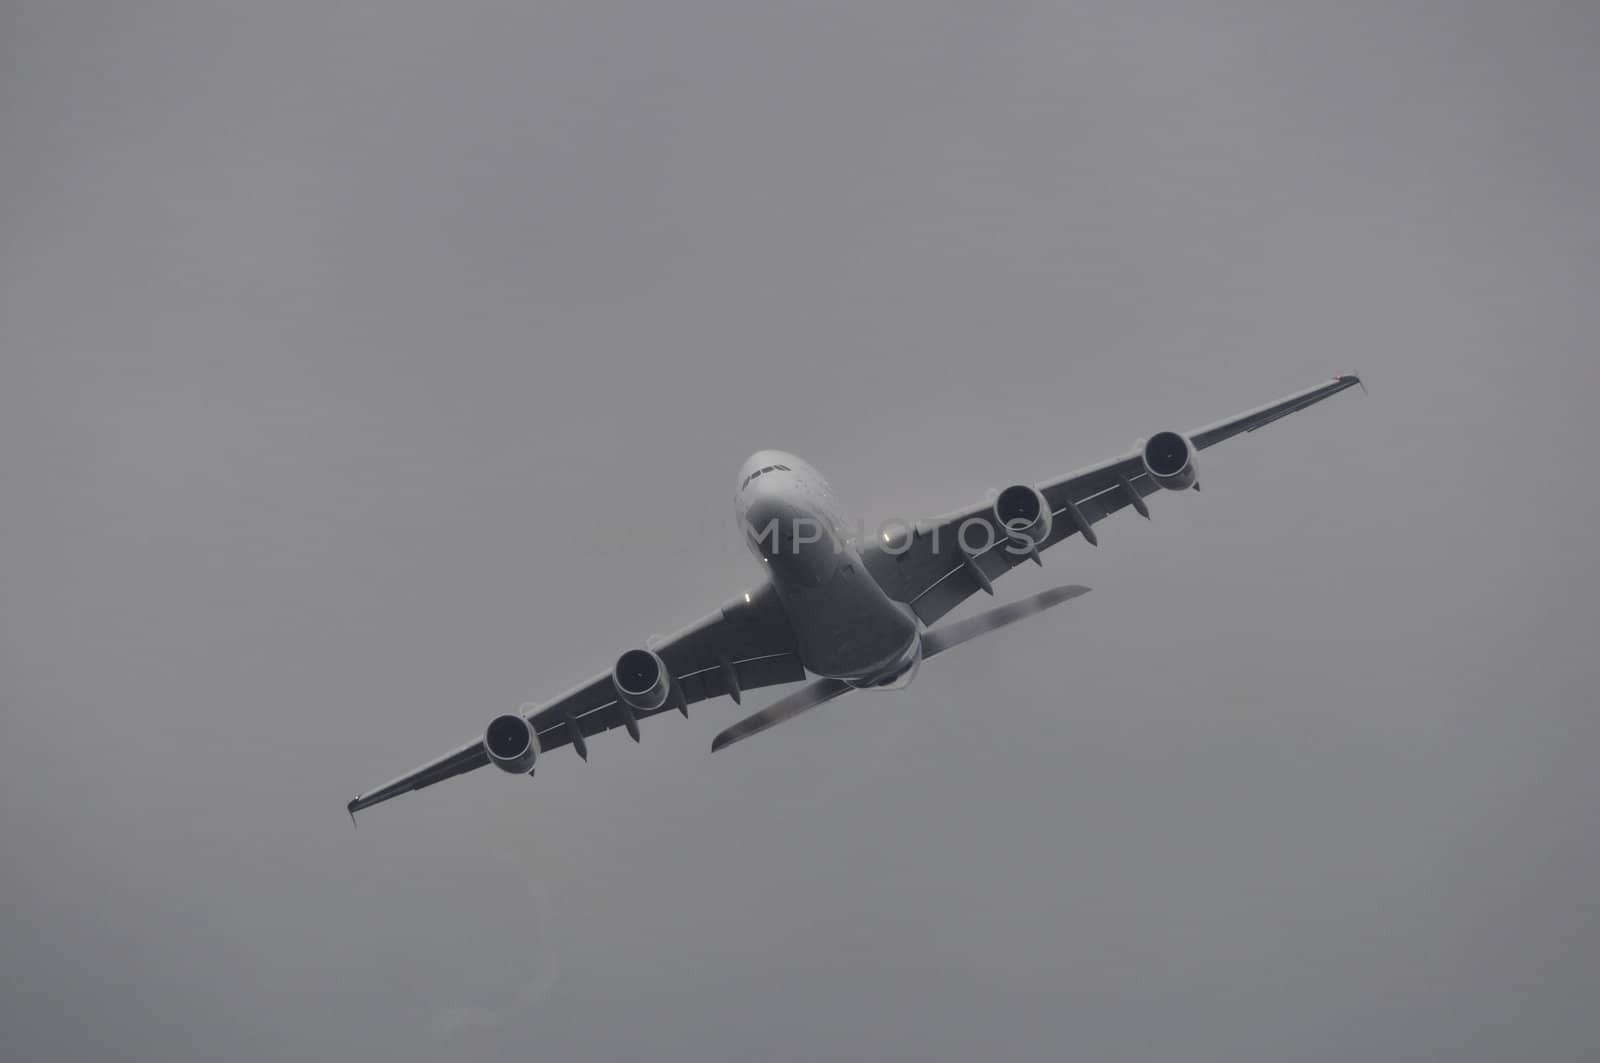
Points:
(351, 808)
(1357, 378)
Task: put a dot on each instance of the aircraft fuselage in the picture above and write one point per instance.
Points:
(846, 626)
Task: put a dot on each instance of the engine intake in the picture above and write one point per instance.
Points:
(511, 744)
(1169, 459)
(1023, 515)
(641, 680)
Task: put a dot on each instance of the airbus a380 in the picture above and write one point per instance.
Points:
(856, 615)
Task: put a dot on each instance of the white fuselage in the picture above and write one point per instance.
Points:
(846, 626)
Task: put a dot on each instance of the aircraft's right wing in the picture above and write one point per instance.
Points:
(933, 573)
(748, 643)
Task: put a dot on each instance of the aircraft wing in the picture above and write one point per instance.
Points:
(933, 573)
(746, 644)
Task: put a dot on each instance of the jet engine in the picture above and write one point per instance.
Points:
(1023, 515)
(641, 680)
(511, 744)
(1169, 459)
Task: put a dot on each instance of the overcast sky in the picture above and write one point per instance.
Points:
(368, 369)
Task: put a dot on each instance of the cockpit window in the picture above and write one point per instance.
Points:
(759, 472)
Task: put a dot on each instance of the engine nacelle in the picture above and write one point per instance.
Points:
(1169, 459)
(511, 744)
(641, 679)
(1023, 515)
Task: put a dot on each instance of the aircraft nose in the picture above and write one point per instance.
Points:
(772, 522)
(769, 508)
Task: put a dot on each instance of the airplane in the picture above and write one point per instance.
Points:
(855, 612)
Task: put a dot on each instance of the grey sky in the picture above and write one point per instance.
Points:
(368, 369)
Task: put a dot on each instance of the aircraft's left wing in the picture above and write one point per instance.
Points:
(748, 643)
(936, 571)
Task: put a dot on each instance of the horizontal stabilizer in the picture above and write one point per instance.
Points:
(807, 697)
(933, 642)
(942, 638)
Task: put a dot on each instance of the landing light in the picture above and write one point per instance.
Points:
(747, 597)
